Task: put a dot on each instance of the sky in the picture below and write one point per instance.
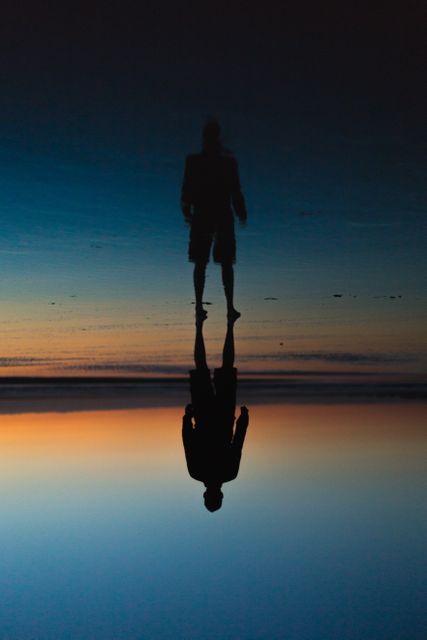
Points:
(323, 108)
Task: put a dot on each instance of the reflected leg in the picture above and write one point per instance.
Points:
(228, 350)
(199, 347)
(199, 287)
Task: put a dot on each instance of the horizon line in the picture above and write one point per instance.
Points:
(253, 376)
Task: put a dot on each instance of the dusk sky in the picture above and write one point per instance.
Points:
(324, 109)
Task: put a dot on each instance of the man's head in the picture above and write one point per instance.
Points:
(213, 497)
(212, 136)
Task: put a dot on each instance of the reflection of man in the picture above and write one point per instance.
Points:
(212, 442)
(210, 194)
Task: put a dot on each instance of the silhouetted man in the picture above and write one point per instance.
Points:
(210, 193)
(213, 447)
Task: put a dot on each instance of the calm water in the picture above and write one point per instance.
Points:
(103, 534)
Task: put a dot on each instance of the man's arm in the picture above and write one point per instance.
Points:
(237, 198)
(186, 193)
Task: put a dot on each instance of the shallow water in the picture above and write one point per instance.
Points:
(104, 535)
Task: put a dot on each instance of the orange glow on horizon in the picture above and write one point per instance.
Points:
(97, 431)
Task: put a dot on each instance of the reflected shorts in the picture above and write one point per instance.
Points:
(214, 403)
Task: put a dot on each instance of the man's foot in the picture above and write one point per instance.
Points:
(201, 314)
(233, 315)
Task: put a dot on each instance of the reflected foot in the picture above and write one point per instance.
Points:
(233, 315)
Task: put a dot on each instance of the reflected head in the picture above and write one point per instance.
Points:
(213, 498)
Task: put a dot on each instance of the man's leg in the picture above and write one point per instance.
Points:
(228, 282)
(199, 287)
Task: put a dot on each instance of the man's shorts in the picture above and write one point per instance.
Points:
(223, 240)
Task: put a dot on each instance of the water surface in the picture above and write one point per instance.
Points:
(104, 535)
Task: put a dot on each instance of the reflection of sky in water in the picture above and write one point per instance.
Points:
(104, 535)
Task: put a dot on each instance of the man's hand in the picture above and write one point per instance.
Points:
(187, 212)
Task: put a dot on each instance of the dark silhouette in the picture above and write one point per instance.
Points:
(213, 446)
(210, 193)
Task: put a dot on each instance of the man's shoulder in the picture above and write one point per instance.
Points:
(229, 156)
(193, 157)
(229, 165)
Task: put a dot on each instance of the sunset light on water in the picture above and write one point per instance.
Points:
(213, 312)
(99, 515)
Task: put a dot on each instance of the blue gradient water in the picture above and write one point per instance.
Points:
(103, 534)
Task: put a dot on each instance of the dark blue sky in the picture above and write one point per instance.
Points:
(141, 76)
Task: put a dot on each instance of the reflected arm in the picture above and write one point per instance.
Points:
(241, 426)
(187, 422)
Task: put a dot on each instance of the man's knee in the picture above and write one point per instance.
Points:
(200, 265)
(227, 266)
